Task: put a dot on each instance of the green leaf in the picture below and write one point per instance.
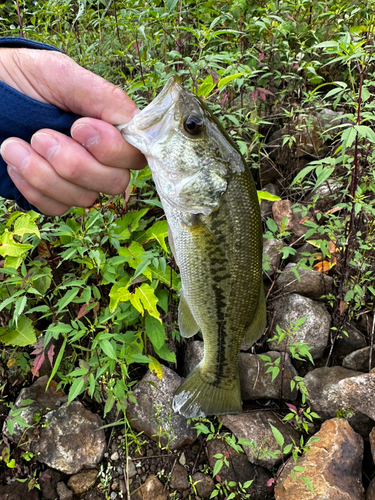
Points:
(22, 335)
(308, 483)
(301, 175)
(170, 5)
(168, 276)
(24, 225)
(217, 467)
(154, 331)
(224, 81)
(108, 349)
(57, 362)
(76, 389)
(129, 223)
(158, 232)
(278, 436)
(11, 248)
(166, 354)
(67, 298)
(146, 294)
(264, 195)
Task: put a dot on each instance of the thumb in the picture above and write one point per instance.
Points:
(54, 78)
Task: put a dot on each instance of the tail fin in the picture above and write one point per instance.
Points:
(198, 396)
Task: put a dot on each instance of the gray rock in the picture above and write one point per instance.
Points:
(255, 382)
(179, 478)
(153, 489)
(359, 392)
(132, 472)
(314, 331)
(312, 284)
(239, 469)
(271, 255)
(359, 360)
(63, 491)
(333, 466)
(328, 401)
(115, 456)
(142, 417)
(204, 484)
(43, 401)
(345, 344)
(71, 441)
(283, 209)
(255, 426)
(83, 481)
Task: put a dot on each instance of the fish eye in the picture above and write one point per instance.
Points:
(193, 124)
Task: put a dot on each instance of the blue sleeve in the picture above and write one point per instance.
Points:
(21, 116)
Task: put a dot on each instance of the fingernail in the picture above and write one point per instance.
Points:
(15, 154)
(14, 175)
(85, 134)
(44, 144)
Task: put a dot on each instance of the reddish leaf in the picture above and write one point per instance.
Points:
(83, 311)
(261, 56)
(290, 17)
(223, 101)
(265, 91)
(322, 267)
(271, 481)
(38, 361)
(43, 250)
(342, 306)
(254, 95)
(51, 352)
(291, 407)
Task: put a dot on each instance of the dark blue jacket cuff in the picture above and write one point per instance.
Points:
(21, 116)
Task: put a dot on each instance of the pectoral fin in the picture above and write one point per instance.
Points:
(188, 325)
(257, 326)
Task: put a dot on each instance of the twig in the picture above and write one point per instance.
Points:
(196, 460)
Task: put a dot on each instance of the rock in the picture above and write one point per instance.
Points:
(83, 481)
(323, 196)
(255, 426)
(327, 400)
(48, 480)
(115, 456)
(43, 401)
(282, 209)
(131, 468)
(333, 466)
(359, 360)
(271, 255)
(204, 484)
(179, 478)
(266, 205)
(312, 284)
(359, 392)
(372, 443)
(314, 331)
(18, 491)
(255, 382)
(153, 489)
(370, 492)
(142, 417)
(63, 491)
(239, 469)
(344, 345)
(71, 440)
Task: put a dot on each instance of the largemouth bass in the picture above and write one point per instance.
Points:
(215, 234)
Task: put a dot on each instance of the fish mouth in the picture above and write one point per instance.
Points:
(145, 127)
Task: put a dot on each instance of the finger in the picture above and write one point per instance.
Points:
(42, 202)
(72, 162)
(37, 172)
(106, 144)
(54, 78)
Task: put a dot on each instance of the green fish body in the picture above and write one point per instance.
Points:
(215, 234)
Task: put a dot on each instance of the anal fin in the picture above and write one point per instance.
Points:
(187, 324)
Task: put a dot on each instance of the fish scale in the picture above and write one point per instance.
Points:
(211, 205)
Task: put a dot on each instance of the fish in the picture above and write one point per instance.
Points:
(215, 234)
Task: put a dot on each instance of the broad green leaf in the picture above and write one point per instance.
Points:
(206, 87)
(217, 467)
(135, 301)
(19, 307)
(119, 293)
(14, 262)
(158, 232)
(76, 389)
(108, 349)
(348, 137)
(165, 277)
(170, 5)
(227, 79)
(11, 248)
(24, 225)
(146, 295)
(22, 335)
(166, 354)
(129, 223)
(308, 483)
(67, 298)
(155, 331)
(301, 175)
(277, 435)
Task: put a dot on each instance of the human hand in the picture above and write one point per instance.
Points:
(55, 171)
